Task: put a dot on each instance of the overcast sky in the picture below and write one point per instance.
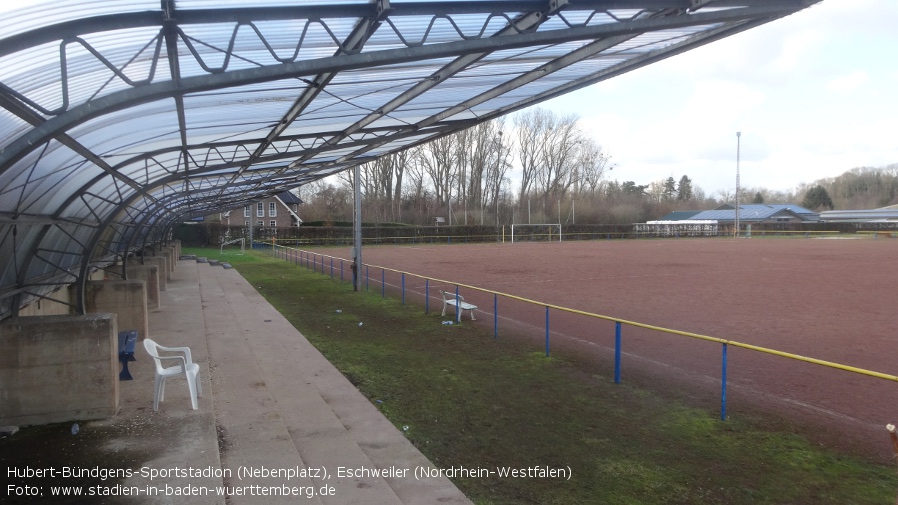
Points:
(814, 95)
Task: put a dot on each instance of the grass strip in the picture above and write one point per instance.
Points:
(467, 400)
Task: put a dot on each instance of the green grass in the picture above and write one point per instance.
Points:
(469, 400)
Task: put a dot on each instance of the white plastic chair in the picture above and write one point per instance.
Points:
(185, 367)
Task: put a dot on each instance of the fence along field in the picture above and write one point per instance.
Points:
(824, 299)
(373, 234)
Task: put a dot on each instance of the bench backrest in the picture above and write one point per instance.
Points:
(449, 296)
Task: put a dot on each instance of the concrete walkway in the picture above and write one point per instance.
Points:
(276, 417)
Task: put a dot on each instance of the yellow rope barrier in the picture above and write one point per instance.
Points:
(733, 343)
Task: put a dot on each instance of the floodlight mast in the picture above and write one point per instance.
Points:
(736, 231)
(357, 229)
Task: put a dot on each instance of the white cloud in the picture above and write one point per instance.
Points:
(796, 49)
(848, 82)
(813, 95)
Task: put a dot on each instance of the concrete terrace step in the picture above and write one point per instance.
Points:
(251, 430)
(281, 404)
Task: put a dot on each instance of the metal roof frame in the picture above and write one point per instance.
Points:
(117, 126)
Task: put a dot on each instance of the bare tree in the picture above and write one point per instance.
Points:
(560, 145)
(495, 174)
(436, 159)
(550, 151)
(592, 164)
(530, 129)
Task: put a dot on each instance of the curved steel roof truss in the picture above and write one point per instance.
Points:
(115, 127)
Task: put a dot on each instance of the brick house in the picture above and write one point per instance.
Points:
(279, 211)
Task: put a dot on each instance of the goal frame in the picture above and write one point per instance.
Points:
(551, 226)
(242, 245)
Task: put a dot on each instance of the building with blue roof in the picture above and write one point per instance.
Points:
(754, 213)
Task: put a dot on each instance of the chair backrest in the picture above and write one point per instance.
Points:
(150, 346)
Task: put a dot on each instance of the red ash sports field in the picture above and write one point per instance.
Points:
(829, 299)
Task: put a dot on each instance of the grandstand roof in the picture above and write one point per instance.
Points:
(120, 119)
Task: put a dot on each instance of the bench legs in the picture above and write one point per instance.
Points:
(447, 303)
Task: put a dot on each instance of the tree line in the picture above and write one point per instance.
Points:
(537, 167)
(541, 167)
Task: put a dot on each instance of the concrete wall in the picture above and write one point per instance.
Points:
(49, 307)
(162, 264)
(66, 297)
(171, 253)
(58, 368)
(150, 275)
(126, 299)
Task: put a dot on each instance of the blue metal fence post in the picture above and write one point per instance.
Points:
(341, 270)
(617, 346)
(495, 315)
(427, 296)
(547, 331)
(723, 385)
(457, 307)
(332, 268)
(403, 288)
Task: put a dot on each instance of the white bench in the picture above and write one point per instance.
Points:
(449, 299)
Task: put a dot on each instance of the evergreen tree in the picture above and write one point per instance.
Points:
(684, 189)
(758, 198)
(817, 197)
(631, 188)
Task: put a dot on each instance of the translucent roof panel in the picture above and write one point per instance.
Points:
(118, 119)
(38, 14)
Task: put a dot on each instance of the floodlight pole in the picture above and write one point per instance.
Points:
(357, 229)
(738, 136)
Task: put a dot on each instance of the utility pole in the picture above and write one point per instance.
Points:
(738, 136)
(357, 230)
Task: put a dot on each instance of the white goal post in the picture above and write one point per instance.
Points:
(242, 245)
(535, 232)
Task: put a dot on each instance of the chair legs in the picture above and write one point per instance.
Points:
(158, 391)
(194, 385)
